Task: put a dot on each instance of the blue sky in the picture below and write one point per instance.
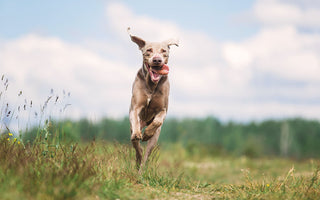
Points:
(237, 60)
(77, 19)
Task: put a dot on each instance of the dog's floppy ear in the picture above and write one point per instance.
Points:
(140, 42)
(174, 41)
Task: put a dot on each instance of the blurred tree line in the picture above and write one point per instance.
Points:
(298, 138)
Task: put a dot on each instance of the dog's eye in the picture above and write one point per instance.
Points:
(149, 50)
(163, 50)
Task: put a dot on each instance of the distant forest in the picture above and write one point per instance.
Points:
(295, 138)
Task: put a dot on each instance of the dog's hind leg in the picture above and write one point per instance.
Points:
(137, 147)
(151, 144)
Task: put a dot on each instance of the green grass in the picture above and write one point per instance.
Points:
(101, 170)
(52, 166)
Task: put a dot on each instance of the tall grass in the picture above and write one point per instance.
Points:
(53, 168)
(35, 173)
(101, 170)
(18, 114)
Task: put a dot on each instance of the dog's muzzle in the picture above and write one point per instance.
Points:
(156, 72)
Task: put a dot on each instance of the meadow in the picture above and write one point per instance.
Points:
(80, 160)
(103, 170)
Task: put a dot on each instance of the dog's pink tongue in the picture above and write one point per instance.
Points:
(164, 70)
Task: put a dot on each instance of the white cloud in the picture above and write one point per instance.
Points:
(286, 53)
(236, 55)
(227, 79)
(198, 55)
(35, 64)
(209, 77)
(121, 17)
(304, 14)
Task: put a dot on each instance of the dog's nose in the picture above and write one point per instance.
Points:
(157, 60)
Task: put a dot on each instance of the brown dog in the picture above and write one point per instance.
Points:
(150, 92)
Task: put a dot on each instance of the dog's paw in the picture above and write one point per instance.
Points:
(146, 137)
(136, 136)
(148, 133)
(157, 123)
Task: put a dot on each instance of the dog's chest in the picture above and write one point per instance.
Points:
(148, 100)
(153, 104)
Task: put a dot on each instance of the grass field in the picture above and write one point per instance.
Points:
(102, 170)
(52, 167)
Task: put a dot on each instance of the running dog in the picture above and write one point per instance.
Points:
(150, 92)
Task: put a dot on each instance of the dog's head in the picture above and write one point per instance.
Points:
(155, 56)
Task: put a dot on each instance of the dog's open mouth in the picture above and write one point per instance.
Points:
(156, 72)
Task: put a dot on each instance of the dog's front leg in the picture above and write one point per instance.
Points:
(136, 134)
(135, 124)
(155, 124)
